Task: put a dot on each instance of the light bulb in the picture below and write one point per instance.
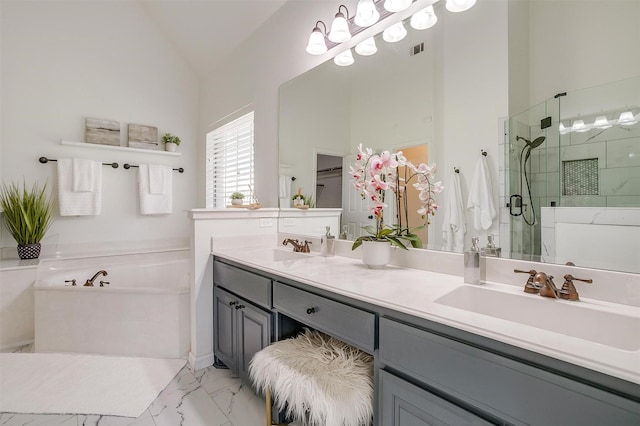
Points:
(601, 123)
(578, 126)
(316, 45)
(394, 33)
(459, 5)
(397, 5)
(627, 119)
(339, 29)
(344, 59)
(423, 19)
(563, 130)
(367, 47)
(366, 14)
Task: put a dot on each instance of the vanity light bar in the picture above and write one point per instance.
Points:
(601, 122)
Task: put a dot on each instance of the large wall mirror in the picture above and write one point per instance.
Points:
(445, 92)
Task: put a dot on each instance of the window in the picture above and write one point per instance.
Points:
(230, 161)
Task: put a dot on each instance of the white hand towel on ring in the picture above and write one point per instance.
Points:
(480, 200)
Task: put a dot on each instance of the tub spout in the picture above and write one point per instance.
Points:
(90, 281)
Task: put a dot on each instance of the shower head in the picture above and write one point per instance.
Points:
(529, 144)
(536, 142)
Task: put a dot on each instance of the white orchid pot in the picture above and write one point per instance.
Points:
(376, 254)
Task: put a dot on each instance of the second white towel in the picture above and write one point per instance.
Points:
(454, 226)
(81, 203)
(481, 197)
(155, 188)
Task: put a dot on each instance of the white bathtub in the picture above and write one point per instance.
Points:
(144, 311)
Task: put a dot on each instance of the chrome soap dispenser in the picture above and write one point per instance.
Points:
(472, 263)
(328, 243)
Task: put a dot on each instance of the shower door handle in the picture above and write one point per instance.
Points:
(515, 201)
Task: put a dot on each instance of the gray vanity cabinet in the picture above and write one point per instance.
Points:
(242, 326)
(496, 387)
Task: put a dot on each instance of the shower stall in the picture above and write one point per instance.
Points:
(579, 149)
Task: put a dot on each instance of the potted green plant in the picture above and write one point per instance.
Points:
(237, 198)
(28, 216)
(171, 142)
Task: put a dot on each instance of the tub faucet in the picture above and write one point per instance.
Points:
(90, 281)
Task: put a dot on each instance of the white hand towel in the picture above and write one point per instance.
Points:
(454, 226)
(151, 204)
(83, 175)
(158, 179)
(284, 191)
(78, 203)
(481, 196)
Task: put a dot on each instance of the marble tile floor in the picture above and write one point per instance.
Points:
(207, 397)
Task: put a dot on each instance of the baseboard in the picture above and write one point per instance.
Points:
(198, 363)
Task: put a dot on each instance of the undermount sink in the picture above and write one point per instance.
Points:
(574, 319)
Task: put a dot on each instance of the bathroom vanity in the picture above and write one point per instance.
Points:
(435, 364)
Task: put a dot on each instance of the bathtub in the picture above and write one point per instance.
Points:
(143, 311)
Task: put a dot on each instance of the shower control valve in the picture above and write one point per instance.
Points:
(102, 283)
(73, 281)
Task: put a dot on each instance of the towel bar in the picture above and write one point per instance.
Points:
(45, 160)
(128, 166)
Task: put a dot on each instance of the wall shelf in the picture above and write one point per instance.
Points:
(120, 148)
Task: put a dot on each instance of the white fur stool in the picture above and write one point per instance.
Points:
(316, 379)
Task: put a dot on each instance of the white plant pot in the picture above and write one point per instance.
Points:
(170, 147)
(376, 254)
(237, 201)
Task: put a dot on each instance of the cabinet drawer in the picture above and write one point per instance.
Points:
(352, 325)
(255, 288)
(500, 386)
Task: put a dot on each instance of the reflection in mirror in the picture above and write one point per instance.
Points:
(328, 181)
(477, 68)
(574, 180)
(382, 101)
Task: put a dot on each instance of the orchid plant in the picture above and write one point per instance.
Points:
(374, 174)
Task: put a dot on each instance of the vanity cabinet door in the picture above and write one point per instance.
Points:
(254, 334)
(403, 404)
(224, 327)
(240, 330)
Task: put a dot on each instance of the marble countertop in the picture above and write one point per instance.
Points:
(416, 292)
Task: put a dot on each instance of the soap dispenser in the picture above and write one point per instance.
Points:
(490, 250)
(472, 263)
(328, 243)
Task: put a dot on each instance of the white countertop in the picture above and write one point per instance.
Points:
(415, 292)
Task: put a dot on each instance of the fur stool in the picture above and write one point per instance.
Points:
(316, 379)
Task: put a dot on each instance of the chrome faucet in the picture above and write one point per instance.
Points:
(90, 281)
(297, 246)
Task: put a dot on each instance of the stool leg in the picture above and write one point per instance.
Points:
(269, 413)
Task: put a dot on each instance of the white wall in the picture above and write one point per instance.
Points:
(65, 61)
(578, 44)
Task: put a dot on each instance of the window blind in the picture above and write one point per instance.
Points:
(229, 161)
